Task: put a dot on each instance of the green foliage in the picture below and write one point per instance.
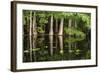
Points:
(77, 51)
(86, 18)
(40, 30)
(26, 17)
(73, 39)
(43, 19)
(73, 31)
(35, 49)
(88, 54)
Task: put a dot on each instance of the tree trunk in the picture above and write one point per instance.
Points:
(34, 35)
(75, 24)
(30, 35)
(61, 27)
(51, 26)
(70, 23)
(56, 29)
(28, 31)
(34, 24)
(74, 36)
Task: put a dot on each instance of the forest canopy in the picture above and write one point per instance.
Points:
(43, 20)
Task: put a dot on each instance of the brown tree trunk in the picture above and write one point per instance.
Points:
(34, 24)
(51, 26)
(30, 35)
(56, 29)
(75, 27)
(34, 35)
(61, 27)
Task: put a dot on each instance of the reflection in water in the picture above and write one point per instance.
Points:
(34, 47)
(55, 48)
(51, 44)
(61, 44)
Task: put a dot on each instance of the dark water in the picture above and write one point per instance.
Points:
(56, 48)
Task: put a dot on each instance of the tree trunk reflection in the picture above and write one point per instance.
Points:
(51, 44)
(61, 44)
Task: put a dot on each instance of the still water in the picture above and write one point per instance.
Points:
(56, 48)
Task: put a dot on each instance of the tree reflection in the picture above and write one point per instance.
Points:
(61, 44)
(51, 44)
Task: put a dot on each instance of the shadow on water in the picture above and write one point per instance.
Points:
(56, 48)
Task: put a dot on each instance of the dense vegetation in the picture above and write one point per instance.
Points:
(73, 27)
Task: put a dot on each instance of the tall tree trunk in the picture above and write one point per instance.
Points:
(34, 35)
(61, 27)
(30, 35)
(76, 28)
(51, 26)
(56, 29)
(34, 24)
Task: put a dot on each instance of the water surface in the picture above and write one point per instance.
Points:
(56, 48)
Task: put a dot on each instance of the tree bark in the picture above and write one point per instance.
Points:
(51, 26)
(61, 27)
(56, 29)
(34, 24)
(34, 35)
(75, 27)
(30, 35)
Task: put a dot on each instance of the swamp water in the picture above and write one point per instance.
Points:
(56, 48)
